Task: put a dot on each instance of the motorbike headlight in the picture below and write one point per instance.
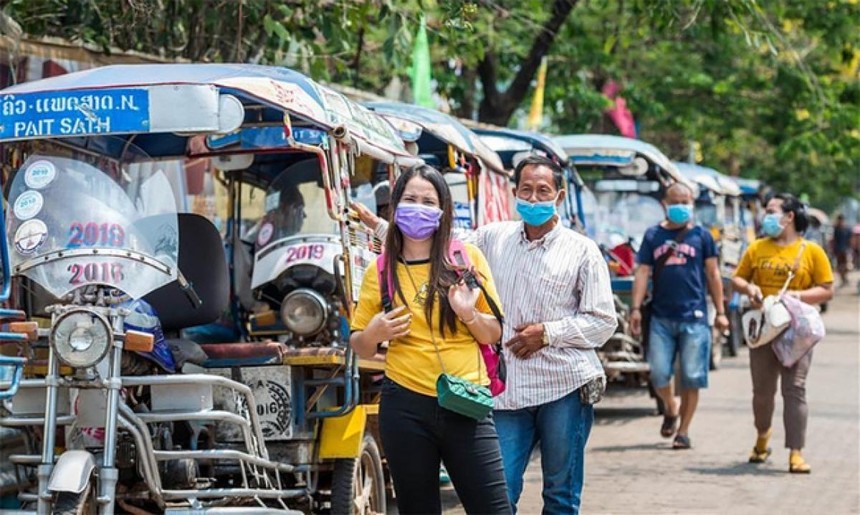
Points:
(81, 338)
(304, 311)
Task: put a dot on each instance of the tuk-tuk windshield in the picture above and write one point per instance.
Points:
(626, 211)
(74, 221)
(295, 204)
(706, 215)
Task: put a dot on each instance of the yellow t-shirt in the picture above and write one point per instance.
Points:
(767, 264)
(411, 361)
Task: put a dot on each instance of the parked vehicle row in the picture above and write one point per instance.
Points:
(158, 362)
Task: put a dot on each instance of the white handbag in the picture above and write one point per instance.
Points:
(764, 325)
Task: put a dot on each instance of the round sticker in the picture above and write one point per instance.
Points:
(265, 235)
(40, 174)
(30, 236)
(28, 205)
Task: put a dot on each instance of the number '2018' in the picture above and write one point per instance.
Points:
(93, 234)
(89, 273)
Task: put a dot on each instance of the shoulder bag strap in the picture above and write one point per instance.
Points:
(794, 268)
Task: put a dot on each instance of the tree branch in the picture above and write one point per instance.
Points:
(560, 10)
(497, 107)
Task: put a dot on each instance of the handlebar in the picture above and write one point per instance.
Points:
(18, 363)
(189, 291)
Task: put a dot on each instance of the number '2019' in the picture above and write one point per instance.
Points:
(93, 234)
(305, 252)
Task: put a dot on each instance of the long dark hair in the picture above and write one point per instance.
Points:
(442, 275)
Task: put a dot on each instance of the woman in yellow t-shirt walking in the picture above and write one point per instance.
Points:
(763, 270)
(435, 319)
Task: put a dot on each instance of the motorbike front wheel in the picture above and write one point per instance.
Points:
(358, 484)
(70, 503)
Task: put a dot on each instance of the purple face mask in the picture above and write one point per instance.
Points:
(417, 222)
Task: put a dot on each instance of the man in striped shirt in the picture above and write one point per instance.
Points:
(555, 289)
(556, 293)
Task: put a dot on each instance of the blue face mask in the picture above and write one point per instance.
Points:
(535, 214)
(770, 225)
(679, 213)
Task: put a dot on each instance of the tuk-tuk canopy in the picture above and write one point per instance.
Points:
(178, 100)
(411, 121)
(508, 143)
(750, 188)
(710, 179)
(617, 152)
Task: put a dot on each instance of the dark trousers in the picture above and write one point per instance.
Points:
(417, 433)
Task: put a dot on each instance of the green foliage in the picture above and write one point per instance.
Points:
(769, 89)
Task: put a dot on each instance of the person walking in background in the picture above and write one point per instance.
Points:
(841, 245)
(763, 270)
(436, 326)
(680, 259)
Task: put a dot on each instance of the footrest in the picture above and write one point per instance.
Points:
(225, 355)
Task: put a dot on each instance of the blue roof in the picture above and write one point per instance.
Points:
(606, 149)
(442, 126)
(709, 178)
(535, 139)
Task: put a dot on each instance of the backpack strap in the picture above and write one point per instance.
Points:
(458, 257)
(384, 280)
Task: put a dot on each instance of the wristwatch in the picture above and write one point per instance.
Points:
(545, 337)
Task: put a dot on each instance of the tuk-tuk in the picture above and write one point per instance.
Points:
(628, 178)
(123, 414)
(473, 171)
(513, 146)
(718, 208)
(753, 193)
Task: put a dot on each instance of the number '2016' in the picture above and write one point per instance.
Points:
(93, 234)
(90, 273)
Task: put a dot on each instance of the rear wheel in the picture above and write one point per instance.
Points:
(358, 484)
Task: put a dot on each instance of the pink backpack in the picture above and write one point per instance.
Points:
(492, 354)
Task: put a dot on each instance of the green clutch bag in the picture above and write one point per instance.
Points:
(464, 397)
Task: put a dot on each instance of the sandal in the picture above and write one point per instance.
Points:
(757, 456)
(668, 427)
(681, 442)
(797, 465)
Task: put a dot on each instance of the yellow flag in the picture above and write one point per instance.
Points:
(536, 112)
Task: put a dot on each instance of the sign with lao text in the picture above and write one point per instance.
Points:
(74, 113)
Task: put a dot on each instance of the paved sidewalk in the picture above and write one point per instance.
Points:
(631, 469)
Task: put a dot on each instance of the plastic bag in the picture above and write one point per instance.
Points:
(806, 329)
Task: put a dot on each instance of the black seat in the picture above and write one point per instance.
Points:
(204, 265)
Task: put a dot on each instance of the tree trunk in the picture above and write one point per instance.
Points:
(466, 108)
(498, 106)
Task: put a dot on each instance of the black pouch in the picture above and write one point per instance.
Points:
(592, 392)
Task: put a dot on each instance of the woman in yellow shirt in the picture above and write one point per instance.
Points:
(435, 319)
(763, 270)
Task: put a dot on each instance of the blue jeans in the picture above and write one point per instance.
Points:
(692, 340)
(562, 428)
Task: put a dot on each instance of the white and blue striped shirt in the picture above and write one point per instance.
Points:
(561, 281)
